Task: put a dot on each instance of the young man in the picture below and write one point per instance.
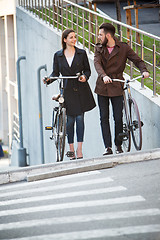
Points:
(110, 61)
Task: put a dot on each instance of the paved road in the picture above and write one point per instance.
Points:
(148, 18)
(121, 203)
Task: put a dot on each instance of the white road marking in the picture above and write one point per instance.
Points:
(99, 233)
(23, 184)
(57, 186)
(71, 205)
(63, 195)
(80, 218)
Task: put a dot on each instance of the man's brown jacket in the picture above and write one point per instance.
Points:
(113, 66)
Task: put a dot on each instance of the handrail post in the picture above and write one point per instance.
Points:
(142, 57)
(45, 11)
(49, 10)
(77, 24)
(154, 70)
(72, 16)
(89, 37)
(22, 151)
(40, 111)
(83, 29)
(57, 15)
(120, 34)
(131, 63)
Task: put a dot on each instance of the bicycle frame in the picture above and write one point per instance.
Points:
(126, 98)
(59, 119)
(132, 119)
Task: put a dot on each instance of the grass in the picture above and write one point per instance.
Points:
(72, 18)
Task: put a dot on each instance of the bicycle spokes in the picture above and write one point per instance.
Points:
(135, 125)
(61, 134)
(125, 137)
(136, 129)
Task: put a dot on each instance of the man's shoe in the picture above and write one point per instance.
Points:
(108, 151)
(119, 150)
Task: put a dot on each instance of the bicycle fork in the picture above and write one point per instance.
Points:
(56, 109)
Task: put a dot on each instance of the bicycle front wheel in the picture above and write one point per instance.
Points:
(126, 135)
(61, 134)
(136, 128)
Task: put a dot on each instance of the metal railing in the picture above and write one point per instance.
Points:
(62, 14)
(15, 129)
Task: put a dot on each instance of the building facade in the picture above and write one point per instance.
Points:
(8, 56)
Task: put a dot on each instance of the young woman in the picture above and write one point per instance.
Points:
(69, 61)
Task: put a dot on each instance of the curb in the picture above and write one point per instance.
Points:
(69, 171)
(39, 172)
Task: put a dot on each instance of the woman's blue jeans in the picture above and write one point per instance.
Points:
(79, 128)
(117, 105)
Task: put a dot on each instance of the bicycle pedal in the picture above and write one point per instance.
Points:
(123, 136)
(56, 109)
(48, 128)
(70, 154)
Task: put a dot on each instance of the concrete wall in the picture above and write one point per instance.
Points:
(38, 42)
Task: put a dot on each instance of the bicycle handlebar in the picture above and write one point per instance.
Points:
(60, 77)
(131, 80)
(63, 77)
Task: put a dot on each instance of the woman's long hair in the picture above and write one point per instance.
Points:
(65, 35)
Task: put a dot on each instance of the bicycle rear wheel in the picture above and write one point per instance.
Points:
(136, 128)
(61, 134)
(126, 135)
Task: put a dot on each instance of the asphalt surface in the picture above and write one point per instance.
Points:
(148, 18)
(120, 203)
(52, 170)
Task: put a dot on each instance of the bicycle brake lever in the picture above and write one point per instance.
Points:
(78, 74)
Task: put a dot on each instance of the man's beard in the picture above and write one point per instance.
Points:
(104, 43)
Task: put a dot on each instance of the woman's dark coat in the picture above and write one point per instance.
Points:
(78, 95)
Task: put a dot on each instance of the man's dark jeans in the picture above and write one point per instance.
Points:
(117, 106)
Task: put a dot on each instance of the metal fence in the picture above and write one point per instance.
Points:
(64, 14)
(15, 130)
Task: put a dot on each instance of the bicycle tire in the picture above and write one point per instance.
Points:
(55, 126)
(136, 128)
(61, 134)
(126, 140)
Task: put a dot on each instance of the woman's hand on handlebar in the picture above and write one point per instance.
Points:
(82, 78)
(46, 80)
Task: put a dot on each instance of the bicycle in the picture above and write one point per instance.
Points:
(58, 126)
(132, 125)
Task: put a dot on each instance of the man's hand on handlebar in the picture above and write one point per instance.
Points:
(107, 80)
(145, 74)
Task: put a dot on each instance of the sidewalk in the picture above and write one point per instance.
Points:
(45, 171)
(4, 163)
